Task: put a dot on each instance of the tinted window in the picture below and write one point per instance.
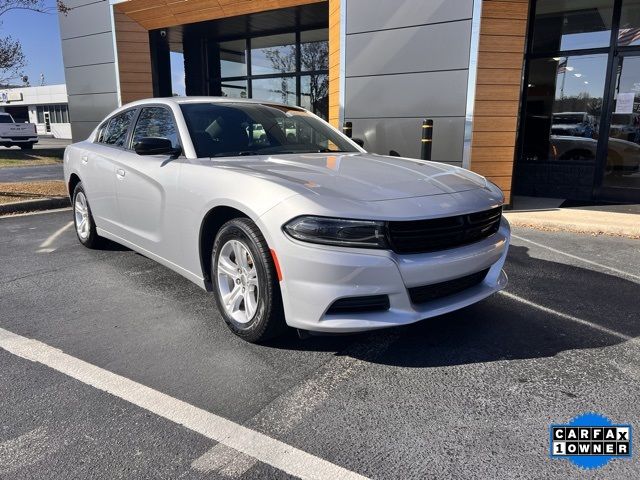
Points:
(116, 131)
(237, 129)
(155, 122)
(273, 54)
(5, 119)
(572, 24)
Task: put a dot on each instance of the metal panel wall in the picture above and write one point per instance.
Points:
(89, 61)
(406, 61)
(373, 15)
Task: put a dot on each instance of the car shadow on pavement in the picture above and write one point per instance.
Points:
(110, 246)
(503, 328)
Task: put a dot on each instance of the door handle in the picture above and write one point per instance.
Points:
(120, 172)
(84, 159)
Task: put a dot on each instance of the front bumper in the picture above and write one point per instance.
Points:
(315, 276)
(18, 140)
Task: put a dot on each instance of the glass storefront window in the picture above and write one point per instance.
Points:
(629, 33)
(314, 94)
(564, 108)
(314, 50)
(622, 167)
(572, 24)
(273, 54)
(281, 89)
(234, 88)
(233, 58)
(178, 86)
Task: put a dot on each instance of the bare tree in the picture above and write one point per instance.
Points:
(284, 61)
(313, 57)
(12, 59)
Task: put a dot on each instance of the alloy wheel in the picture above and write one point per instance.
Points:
(238, 281)
(81, 212)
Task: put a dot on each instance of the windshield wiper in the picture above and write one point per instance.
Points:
(236, 154)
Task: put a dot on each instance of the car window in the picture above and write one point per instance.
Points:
(156, 122)
(100, 134)
(116, 131)
(5, 119)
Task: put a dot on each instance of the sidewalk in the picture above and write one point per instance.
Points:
(546, 214)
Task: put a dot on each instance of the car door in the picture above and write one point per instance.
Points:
(146, 184)
(97, 170)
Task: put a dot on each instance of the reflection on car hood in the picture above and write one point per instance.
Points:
(358, 176)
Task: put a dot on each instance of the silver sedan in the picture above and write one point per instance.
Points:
(285, 219)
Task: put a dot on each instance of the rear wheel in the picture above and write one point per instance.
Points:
(27, 146)
(245, 282)
(83, 219)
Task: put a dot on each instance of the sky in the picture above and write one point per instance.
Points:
(40, 37)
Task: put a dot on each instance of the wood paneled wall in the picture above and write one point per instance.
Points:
(134, 59)
(503, 30)
(334, 62)
(134, 19)
(152, 14)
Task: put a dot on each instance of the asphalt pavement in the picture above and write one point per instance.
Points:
(467, 395)
(50, 142)
(32, 174)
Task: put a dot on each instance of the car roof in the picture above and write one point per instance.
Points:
(203, 99)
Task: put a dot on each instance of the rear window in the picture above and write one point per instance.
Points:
(116, 131)
(5, 119)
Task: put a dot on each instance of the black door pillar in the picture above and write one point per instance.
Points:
(160, 63)
(194, 65)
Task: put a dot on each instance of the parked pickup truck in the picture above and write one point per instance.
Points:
(22, 135)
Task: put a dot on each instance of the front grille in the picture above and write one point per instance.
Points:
(420, 236)
(435, 291)
(372, 303)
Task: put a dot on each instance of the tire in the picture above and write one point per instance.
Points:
(86, 234)
(26, 146)
(259, 315)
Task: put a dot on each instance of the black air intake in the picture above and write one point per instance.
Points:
(373, 303)
(435, 291)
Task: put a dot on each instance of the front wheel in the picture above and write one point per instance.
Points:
(245, 282)
(83, 219)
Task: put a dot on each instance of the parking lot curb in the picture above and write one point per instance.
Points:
(34, 205)
(620, 225)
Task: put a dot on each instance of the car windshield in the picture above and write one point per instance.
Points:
(5, 119)
(238, 129)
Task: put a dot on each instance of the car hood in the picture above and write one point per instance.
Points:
(358, 176)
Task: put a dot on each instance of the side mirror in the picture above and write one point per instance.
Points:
(359, 141)
(155, 146)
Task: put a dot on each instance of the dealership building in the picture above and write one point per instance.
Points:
(44, 106)
(541, 96)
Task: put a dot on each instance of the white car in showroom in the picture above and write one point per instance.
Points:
(297, 226)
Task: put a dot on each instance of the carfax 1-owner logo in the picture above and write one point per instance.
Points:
(590, 441)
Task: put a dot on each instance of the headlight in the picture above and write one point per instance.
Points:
(338, 231)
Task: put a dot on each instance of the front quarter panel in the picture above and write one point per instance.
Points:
(204, 186)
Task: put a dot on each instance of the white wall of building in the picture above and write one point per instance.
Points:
(34, 97)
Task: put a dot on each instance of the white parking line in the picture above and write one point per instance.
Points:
(255, 444)
(286, 412)
(575, 257)
(45, 246)
(581, 321)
